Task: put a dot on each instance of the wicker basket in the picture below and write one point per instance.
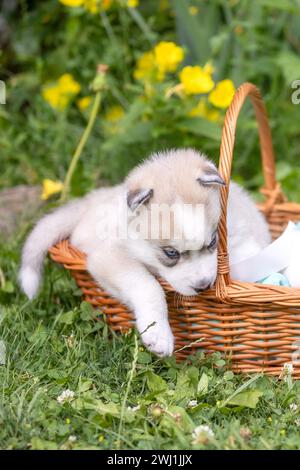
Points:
(256, 326)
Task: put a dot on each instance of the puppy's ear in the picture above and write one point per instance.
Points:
(211, 176)
(138, 197)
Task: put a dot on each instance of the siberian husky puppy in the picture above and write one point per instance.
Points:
(161, 221)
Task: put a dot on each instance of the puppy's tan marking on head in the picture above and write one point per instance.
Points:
(182, 176)
(174, 174)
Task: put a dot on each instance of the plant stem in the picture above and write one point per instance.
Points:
(80, 146)
(130, 378)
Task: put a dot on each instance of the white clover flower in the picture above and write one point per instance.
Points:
(66, 395)
(134, 408)
(286, 371)
(297, 422)
(202, 434)
(70, 340)
(192, 403)
(72, 438)
(293, 407)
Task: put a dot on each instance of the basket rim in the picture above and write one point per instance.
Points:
(238, 292)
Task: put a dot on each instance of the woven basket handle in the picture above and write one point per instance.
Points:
(226, 156)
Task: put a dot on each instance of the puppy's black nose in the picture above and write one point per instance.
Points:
(201, 286)
(199, 289)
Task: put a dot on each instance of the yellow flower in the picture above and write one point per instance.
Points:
(196, 80)
(113, 117)
(114, 114)
(167, 56)
(133, 3)
(68, 85)
(202, 110)
(52, 95)
(222, 95)
(91, 6)
(193, 10)
(72, 3)
(94, 6)
(155, 64)
(51, 187)
(145, 66)
(59, 95)
(84, 102)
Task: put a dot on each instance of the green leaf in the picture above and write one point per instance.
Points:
(244, 386)
(87, 311)
(193, 374)
(42, 444)
(67, 318)
(203, 384)
(140, 133)
(40, 334)
(8, 287)
(144, 357)
(229, 375)
(193, 31)
(110, 408)
(88, 402)
(285, 5)
(283, 170)
(187, 382)
(201, 127)
(55, 373)
(156, 383)
(220, 363)
(248, 399)
(84, 386)
(289, 64)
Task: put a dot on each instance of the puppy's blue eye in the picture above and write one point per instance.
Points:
(213, 242)
(171, 252)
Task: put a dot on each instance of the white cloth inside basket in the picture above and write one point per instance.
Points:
(275, 258)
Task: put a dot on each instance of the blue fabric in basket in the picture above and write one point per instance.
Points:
(276, 279)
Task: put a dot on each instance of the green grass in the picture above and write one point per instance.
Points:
(55, 343)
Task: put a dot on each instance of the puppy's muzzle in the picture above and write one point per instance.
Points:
(201, 286)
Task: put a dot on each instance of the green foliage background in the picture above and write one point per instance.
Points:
(258, 41)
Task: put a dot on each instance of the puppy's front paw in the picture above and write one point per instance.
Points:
(159, 339)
